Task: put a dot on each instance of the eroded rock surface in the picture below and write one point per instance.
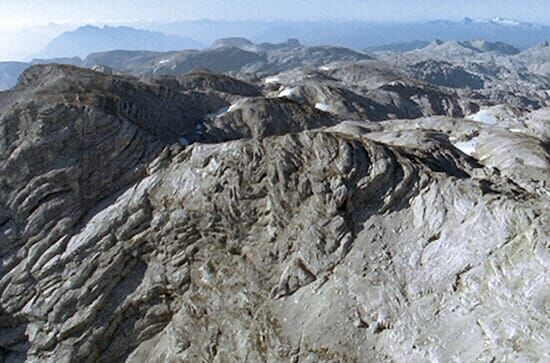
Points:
(201, 218)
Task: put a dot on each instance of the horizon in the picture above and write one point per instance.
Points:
(142, 24)
(22, 43)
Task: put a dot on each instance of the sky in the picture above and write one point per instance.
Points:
(32, 12)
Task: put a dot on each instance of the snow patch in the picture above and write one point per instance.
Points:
(287, 92)
(322, 106)
(484, 116)
(222, 111)
(394, 83)
(508, 22)
(272, 79)
(467, 147)
(164, 61)
(183, 141)
(235, 106)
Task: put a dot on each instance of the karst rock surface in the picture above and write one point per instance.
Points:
(202, 218)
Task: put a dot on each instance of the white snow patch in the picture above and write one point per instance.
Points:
(213, 165)
(287, 92)
(322, 106)
(164, 61)
(467, 147)
(503, 21)
(183, 141)
(394, 83)
(515, 130)
(222, 111)
(272, 79)
(484, 116)
(325, 68)
(233, 107)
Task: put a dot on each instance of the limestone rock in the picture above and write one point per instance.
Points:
(197, 218)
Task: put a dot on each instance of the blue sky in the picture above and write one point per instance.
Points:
(15, 12)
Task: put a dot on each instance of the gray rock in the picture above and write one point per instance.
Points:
(203, 218)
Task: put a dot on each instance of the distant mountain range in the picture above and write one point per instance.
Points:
(72, 47)
(242, 56)
(362, 35)
(90, 39)
(476, 46)
(452, 49)
(198, 34)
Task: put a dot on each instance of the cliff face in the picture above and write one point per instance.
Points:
(170, 221)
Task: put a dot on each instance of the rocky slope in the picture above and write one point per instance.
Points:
(234, 56)
(338, 211)
(497, 72)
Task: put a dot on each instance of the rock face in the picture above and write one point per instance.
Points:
(446, 75)
(497, 72)
(201, 218)
(361, 91)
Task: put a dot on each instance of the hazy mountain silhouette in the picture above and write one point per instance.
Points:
(89, 39)
(361, 35)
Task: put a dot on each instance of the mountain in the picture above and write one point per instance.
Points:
(362, 35)
(175, 63)
(485, 46)
(236, 55)
(19, 43)
(233, 43)
(399, 47)
(537, 59)
(472, 48)
(498, 70)
(88, 39)
(277, 202)
(201, 218)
